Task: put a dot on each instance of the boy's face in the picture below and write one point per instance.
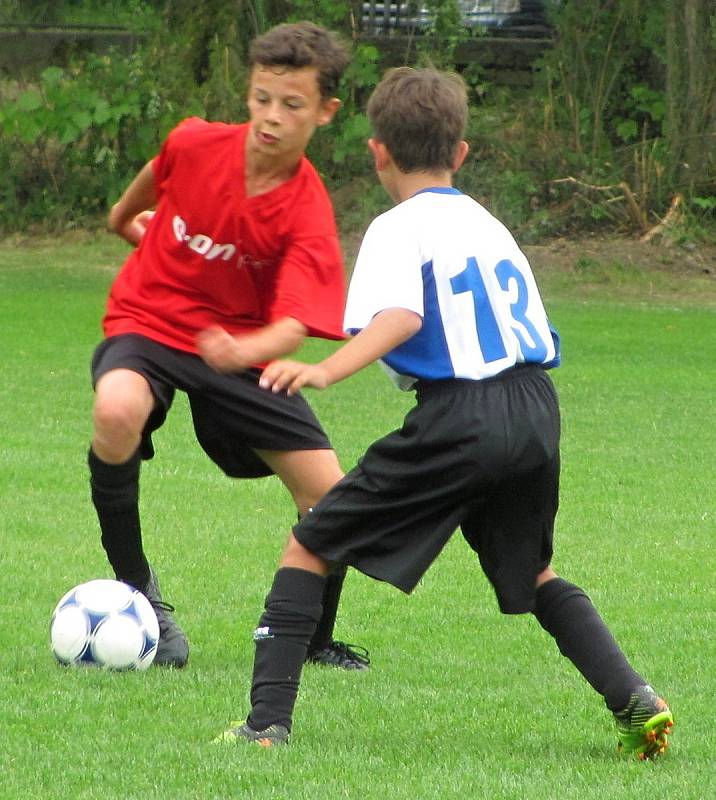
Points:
(286, 107)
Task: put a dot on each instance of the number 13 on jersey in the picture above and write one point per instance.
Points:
(505, 307)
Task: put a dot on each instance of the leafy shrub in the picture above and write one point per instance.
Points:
(596, 142)
(71, 143)
(76, 139)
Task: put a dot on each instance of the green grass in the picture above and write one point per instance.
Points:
(461, 702)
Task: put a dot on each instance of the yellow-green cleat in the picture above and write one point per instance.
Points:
(240, 731)
(643, 727)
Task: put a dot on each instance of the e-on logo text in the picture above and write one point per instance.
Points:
(200, 243)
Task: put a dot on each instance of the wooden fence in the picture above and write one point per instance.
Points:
(25, 50)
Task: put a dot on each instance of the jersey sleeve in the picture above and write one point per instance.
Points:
(311, 285)
(387, 274)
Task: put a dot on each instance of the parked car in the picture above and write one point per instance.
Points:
(408, 16)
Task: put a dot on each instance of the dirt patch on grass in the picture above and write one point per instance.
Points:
(608, 267)
(618, 268)
(626, 268)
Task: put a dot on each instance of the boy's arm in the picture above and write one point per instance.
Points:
(384, 332)
(226, 353)
(128, 217)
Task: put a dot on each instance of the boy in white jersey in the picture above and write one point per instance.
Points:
(443, 296)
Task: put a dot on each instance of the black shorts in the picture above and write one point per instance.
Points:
(479, 455)
(233, 416)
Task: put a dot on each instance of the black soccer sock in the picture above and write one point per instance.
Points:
(293, 607)
(331, 597)
(115, 494)
(567, 614)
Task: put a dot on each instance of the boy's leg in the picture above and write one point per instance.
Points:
(292, 611)
(123, 403)
(323, 637)
(323, 648)
(567, 614)
(308, 475)
(115, 496)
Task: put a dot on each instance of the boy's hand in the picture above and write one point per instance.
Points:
(292, 375)
(225, 352)
(134, 229)
(222, 351)
(141, 222)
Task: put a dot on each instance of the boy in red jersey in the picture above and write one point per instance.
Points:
(239, 262)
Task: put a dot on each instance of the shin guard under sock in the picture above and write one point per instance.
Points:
(331, 597)
(293, 607)
(115, 494)
(567, 614)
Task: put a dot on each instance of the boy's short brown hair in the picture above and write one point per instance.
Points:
(420, 115)
(303, 44)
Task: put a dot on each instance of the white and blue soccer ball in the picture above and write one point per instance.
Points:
(104, 623)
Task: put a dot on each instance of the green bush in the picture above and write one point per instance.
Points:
(71, 143)
(595, 142)
(75, 139)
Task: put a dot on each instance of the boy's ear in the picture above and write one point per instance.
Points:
(381, 156)
(460, 155)
(328, 110)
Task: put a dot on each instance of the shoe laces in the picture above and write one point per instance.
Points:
(161, 609)
(342, 650)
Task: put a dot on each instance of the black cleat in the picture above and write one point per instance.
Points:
(173, 647)
(341, 655)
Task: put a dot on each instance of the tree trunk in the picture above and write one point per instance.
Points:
(691, 91)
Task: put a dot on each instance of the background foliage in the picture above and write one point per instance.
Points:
(618, 127)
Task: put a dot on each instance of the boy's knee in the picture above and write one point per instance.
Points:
(122, 405)
(123, 400)
(118, 426)
(116, 415)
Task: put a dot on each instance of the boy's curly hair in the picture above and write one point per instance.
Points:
(303, 44)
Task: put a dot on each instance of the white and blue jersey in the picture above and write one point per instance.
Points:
(445, 257)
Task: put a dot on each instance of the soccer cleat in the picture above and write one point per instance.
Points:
(341, 655)
(173, 647)
(644, 725)
(269, 737)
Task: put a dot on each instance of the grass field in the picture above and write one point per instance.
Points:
(460, 702)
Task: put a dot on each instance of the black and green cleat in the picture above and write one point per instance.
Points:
(643, 727)
(240, 731)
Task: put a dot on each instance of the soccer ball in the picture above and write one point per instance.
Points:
(104, 623)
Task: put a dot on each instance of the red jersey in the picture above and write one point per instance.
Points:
(213, 256)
